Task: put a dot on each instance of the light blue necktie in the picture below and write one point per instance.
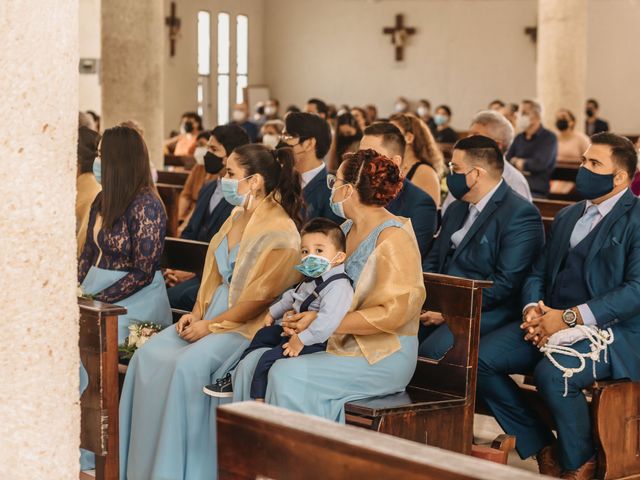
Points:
(583, 226)
(459, 235)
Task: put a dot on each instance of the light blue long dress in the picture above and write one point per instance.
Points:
(321, 383)
(165, 418)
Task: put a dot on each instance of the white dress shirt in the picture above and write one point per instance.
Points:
(310, 175)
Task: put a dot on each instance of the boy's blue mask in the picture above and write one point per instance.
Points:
(313, 266)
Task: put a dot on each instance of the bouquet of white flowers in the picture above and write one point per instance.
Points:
(139, 334)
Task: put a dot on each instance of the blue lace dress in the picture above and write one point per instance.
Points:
(167, 424)
(321, 383)
(121, 264)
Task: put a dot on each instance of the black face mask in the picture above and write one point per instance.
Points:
(590, 112)
(562, 124)
(213, 163)
(188, 127)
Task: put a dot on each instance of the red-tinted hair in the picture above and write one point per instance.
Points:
(375, 177)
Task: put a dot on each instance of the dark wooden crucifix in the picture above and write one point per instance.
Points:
(399, 35)
(173, 23)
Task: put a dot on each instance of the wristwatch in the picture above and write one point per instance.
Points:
(570, 318)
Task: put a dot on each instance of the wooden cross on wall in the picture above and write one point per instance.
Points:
(173, 23)
(399, 35)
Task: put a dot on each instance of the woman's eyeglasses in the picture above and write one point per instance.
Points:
(332, 179)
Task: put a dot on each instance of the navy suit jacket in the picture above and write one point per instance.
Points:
(198, 228)
(414, 203)
(317, 195)
(500, 246)
(612, 274)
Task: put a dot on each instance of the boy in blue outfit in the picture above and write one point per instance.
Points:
(326, 289)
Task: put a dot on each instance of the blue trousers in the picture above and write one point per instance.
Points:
(270, 337)
(503, 352)
(183, 295)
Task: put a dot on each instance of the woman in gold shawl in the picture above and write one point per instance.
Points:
(167, 424)
(374, 350)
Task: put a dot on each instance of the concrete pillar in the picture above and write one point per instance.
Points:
(562, 58)
(132, 56)
(39, 401)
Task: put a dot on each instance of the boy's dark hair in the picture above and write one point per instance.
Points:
(392, 137)
(329, 228)
(623, 152)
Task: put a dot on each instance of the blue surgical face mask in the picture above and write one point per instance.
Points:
(337, 207)
(230, 191)
(593, 185)
(457, 184)
(313, 266)
(440, 119)
(97, 169)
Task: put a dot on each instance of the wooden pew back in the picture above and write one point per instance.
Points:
(184, 161)
(185, 255)
(99, 402)
(262, 441)
(170, 196)
(437, 407)
(459, 300)
(549, 208)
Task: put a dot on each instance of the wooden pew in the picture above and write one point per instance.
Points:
(261, 441)
(185, 161)
(549, 208)
(184, 255)
(438, 405)
(615, 414)
(170, 195)
(173, 176)
(99, 402)
(566, 171)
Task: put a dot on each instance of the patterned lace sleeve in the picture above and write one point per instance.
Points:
(88, 255)
(147, 223)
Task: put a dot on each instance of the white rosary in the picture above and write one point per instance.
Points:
(559, 343)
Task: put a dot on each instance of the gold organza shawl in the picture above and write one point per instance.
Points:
(389, 295)
(269, 249)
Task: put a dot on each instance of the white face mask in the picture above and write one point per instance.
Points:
(270, 110)
(270, 140)
(238, 116)
(523, 122)
(400, 107)
(199, 154)
(423, 111)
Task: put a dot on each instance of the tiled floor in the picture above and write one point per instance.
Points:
(485, 429)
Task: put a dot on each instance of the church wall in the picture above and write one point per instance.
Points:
(465, 54)
(180, 75)
(613, 62)
(181, 71)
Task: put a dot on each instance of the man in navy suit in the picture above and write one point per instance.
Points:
(310, 138)
(489, 233)
(587, 274)
(211, 209)
(412, 202)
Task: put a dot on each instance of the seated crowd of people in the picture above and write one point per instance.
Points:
(320, 226)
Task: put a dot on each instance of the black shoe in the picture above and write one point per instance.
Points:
(221, 389)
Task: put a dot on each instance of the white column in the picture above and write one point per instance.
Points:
(39, 401)
(132, 71)
(562, 58)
